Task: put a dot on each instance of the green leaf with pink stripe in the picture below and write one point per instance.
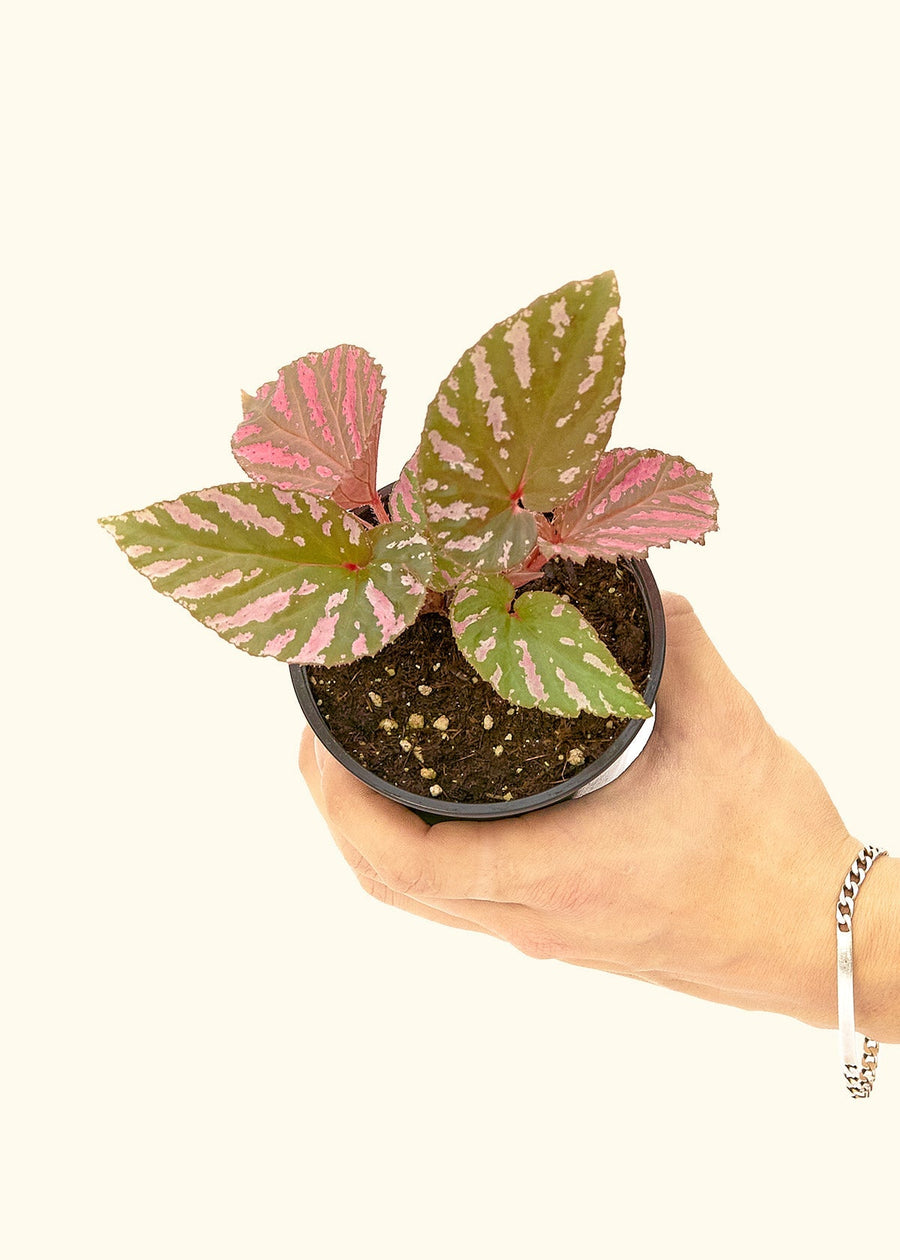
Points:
(521, 420)
(405, 502)
(316, 427)
(280, 573)
(540, 651)
(632, 501)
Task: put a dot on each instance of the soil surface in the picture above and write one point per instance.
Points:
(419, 716)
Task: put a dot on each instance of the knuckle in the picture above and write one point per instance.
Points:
(413, 879)
(377, 890)
(448, 832)
(535, 947)
(358, 864)
(538, 944)
(566, 896)
(342, 814)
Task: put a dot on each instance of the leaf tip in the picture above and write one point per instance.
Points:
(108, 523)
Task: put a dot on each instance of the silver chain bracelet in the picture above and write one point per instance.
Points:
(859, 1068)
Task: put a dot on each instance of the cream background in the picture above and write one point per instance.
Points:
(214, 1045)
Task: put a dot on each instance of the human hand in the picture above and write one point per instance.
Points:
(712, 866)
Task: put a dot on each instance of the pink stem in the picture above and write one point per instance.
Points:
(528, 570)
(535, 561)
(379, 509)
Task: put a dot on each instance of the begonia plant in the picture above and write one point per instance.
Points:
(513, 468)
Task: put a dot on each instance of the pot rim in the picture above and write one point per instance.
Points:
(440, 810)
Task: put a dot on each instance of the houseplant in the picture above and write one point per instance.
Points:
(512, 488)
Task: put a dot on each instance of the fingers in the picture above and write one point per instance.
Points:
(309, 768)
(387, 895)
(363, 870)
(431, 871)
(536, 862)
(472, 861)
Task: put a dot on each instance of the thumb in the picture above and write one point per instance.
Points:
(697, 688)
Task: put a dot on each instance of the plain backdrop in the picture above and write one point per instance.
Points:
(213, 1044)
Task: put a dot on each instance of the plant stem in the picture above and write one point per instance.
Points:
(379, 509)
(434, 602)
(529, 569)
(535, 561)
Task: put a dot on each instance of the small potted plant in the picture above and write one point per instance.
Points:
(494, 585)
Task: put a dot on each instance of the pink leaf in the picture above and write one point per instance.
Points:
(316, 427)
(632, 501)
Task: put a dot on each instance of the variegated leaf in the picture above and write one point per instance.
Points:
(278, 572)
(316, 427)
(406, 504)
(520, 420)
(405, 501)
(540, 652)
(633, 500)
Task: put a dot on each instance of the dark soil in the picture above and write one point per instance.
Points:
(419, 716)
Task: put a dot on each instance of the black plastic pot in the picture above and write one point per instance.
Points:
(616, 758)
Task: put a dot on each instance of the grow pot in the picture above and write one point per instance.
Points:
(612, 762)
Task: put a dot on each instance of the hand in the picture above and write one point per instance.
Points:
(712, 866)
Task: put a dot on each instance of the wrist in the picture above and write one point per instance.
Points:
(876, 947)
(876, 952)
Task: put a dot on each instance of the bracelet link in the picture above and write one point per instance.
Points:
(859, 1068)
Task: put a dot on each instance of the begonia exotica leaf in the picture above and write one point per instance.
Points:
(632, 501)
(278, 572)
(522, 419)
(316, 427)
(540, 651)
(406, 504)
(405, 501)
